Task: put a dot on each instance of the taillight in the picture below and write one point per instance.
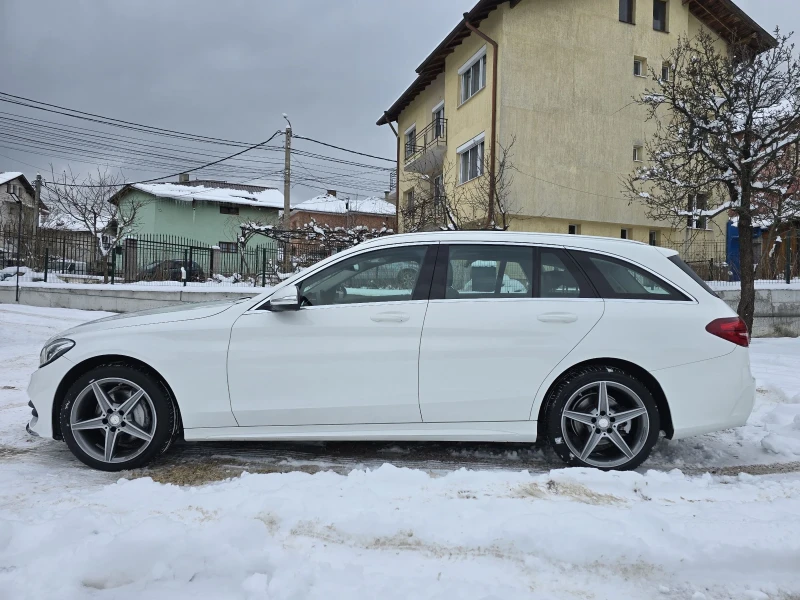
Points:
(732, 329)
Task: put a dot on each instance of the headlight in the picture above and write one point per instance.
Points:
(54, 349)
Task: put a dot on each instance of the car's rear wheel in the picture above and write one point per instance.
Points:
(602, 417)
(118, 417)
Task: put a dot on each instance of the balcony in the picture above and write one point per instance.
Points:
(425, 153)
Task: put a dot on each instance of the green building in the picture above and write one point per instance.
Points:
(208, 212)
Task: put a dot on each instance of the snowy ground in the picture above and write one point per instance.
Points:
(401, 520)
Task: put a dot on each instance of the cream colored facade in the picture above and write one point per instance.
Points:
(565, 88)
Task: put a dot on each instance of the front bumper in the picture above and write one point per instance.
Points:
(42, 393)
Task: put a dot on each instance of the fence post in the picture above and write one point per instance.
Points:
(264, 266)
(787, 243)
(46, 262)
(113, 264)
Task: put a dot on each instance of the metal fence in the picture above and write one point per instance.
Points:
(76, 257)
(776, 258)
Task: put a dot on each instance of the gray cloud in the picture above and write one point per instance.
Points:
(229, 69)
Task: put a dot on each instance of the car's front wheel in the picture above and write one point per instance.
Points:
(117, 417)
(602, 417)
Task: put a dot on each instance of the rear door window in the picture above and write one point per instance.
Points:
(560, 277)
(675, 259)
(489, 271)
(615, 278)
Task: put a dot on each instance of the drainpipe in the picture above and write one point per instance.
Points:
(493, 141)
(396, 177)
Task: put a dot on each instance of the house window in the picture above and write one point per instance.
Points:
(626, 11)
(228, 247)
(666, 72)
(574, 229)
(226, 209)
(639, 66)
(438, 122)
(652, 239)
(473, 75)
(697, 204)
(660, 15)
(411, 140)
(438, 190)
(638, 154)
(625, 234)
(409, 199)
(471, 162)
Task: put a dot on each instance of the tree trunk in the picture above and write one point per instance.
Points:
(747, 301)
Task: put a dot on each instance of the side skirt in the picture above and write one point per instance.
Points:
(510, 431)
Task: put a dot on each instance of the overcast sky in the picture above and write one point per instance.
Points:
(229, 69)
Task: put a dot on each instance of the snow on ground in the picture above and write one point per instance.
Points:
(394, 532)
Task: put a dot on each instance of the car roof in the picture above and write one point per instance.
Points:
(555, 239)
(625, 248)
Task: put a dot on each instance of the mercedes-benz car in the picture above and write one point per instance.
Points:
(594, 346)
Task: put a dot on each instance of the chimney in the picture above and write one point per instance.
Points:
(332, 193)
(183, 178)
(386, 195)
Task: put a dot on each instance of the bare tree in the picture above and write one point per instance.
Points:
(85, 202)
(444, 202)
(726, 140)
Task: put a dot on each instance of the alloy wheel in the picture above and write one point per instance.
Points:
(605, 424)
(113, 420)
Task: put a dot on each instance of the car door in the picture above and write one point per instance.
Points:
(501, 317)
(349, 355)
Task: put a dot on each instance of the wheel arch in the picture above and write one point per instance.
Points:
(633, 369)
(90, 363)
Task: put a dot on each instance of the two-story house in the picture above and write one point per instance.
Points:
(15, 187)
(557, 77)
(206, 211)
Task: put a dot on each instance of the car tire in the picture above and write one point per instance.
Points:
(407, 278)
(586, 431)
(135, 430)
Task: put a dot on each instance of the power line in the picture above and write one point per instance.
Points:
(391, 160)
(183, 171)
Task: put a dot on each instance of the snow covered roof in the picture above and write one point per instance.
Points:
(266, 197)
(331, 204)
(9, 175)
(62, 222)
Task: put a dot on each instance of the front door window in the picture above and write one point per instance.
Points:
(388, 275)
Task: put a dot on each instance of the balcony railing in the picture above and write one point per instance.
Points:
(433, 135)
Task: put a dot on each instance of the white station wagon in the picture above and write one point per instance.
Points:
(594, 345)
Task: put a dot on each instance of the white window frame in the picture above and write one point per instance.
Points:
(666, 68)
(480, 58)
(577, 229)
(436, 110)
(638, 153)
(625, 233)
(642, 62)
(464, 149)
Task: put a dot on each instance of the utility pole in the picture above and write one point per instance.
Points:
(287, 175)
(38, 202)
(19, 241)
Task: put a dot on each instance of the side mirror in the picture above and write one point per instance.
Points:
(285, 300)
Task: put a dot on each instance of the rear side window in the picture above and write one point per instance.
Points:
(675, 259)
(619, 279)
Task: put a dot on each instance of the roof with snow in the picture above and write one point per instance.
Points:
(216, 192)
(7, 176)
(331, 204)
(64, 222)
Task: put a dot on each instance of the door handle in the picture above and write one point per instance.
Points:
(557, 317)
(390, 317)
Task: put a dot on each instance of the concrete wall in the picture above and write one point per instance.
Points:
(777, 311)
(113, 300)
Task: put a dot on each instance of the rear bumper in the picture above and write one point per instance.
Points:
(710, 395)
(42, 392)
